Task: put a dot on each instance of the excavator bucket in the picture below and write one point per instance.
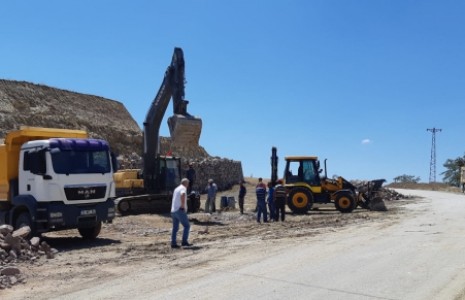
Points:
(184, 130)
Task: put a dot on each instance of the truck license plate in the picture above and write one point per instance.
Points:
(87, 212)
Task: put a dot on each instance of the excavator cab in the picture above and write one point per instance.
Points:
(169, 174)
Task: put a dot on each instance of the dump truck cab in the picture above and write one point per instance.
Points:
(53, 179)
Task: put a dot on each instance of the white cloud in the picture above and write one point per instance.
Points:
(366, 141)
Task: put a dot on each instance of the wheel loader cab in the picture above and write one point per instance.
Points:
(303, 170)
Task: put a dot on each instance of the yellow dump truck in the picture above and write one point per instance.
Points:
(54, 179)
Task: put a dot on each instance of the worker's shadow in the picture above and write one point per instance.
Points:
(193, 248)
(205, 223)
(64, 244)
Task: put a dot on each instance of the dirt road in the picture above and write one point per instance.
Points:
(413, 251)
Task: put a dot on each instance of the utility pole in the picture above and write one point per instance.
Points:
(432, 163)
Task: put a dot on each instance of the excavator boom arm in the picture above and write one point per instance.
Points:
(183, 127)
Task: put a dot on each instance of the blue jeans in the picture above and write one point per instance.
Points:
(180, 216)
(272, 209)
(261, 209)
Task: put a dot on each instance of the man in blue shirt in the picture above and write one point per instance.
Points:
(260, 191)
(211, 196)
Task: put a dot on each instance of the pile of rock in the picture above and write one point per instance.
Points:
(390, 194)
(15, 247)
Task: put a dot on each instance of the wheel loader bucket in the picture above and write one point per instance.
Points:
(369, 196)
(185, 130)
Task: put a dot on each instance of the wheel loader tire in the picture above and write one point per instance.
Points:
(345, 202)
(300, 200)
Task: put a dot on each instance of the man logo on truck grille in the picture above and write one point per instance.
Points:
(86, 193)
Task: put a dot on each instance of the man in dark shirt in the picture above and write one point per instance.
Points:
(242, 192)
(280, 195)
(190, 174)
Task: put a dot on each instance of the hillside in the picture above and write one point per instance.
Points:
(24, 103)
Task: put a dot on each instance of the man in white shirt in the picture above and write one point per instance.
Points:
(179, 214)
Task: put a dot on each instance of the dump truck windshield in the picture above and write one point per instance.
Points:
(80, 162)
(80, 156)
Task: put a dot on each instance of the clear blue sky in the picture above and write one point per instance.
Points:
(356, 82)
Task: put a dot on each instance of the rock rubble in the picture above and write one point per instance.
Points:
(15, 247)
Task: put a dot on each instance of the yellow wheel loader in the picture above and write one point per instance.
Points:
(305, 186)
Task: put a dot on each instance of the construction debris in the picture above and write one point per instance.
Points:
(15, 247)
(390, 194)
(377, 194)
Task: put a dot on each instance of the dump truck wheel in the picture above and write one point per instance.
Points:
(300, 200)
(23, 220)
(345, 202)
(123, 206)
(90, 233)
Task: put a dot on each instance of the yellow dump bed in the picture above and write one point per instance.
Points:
(9, 150)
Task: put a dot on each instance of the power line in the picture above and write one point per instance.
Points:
(432, 163)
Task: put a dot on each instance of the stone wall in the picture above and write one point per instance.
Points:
(224, 172)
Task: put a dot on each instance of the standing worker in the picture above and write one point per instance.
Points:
(280, 195)
(211, 196)
(260, 191)
(179, 214)
(242, 192)
(261, 184)
(270, 200)
(190, 174)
